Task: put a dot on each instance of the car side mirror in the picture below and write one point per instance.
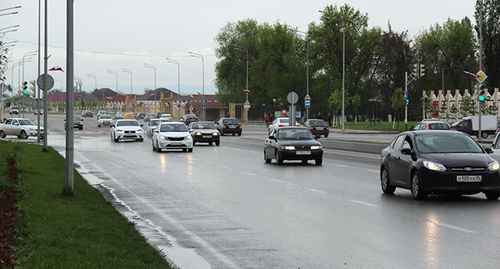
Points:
(272, 137)
(112, 125)
(488, 150)
(412, 128)
(142, 125)
(406, 151)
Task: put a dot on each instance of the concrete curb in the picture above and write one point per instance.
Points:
(353, 146)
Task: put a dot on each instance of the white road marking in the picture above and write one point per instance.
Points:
(374, 171)
(253, 151)
(364, 203)
(453, 227)
(251, 174)
(341, 165)
(279, 181)
(318, 191)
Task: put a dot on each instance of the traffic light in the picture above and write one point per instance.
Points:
(421, 71)
(415, 70)
(407, 102)
(481, 94)
(25, 88)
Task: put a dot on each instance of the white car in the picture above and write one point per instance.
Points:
(172, 135)
(20, 127)
(127, 130)
(104, 120)
(279, 122)
(167, 117)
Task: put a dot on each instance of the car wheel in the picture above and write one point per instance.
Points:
(153, 145)
(190, 150)
(239, 134)
(279, 159)
(116, 139)
(217, 143)
(416, 188)
(80, 128)
(2, 134)
(485, 134)
(319, 161)
(233, 134)
(492, 195)
(99, 126)
(23, 135)
(221, 133)
(194, 143)
(326, 135)
(384, 182)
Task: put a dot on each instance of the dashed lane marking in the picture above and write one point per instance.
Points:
(317, 191)
(364, 203)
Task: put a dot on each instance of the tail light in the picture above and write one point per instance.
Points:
(281, 125)
(239, 127)
(224, 126)
(310, 127)
(428, 127)
(327, 128)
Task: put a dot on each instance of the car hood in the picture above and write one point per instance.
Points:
(459, 159)
(128, 128)
(299, 142)
(174, 134)
(205, 131)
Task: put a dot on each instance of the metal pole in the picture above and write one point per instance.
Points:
(69, 188)
(45, 69)
(203, 82)
(343, 78)
(130, 72)
(154, 90)
(406, 107)
(38, 74)
(307, 72)
(178, 74)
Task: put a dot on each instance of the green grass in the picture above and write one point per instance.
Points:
(379, 126)
(79, 231)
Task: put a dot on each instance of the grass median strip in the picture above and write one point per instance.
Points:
(79, 231)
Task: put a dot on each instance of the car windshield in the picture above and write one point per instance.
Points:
(295, 134)
(127, 123)
(154, 122)
(26, 122)
(430, 143)
(173, 128)
(203, 126)
(317, 123)
(439, 126)
(105, 117)
(231, 121)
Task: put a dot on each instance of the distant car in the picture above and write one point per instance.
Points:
(101, 112)
(188, 118)
(87, 113)
(172, 135)
(129, 116)
(204, 132)
(38, 111)
(438, 162)
(431, 124)
(127, 129)
(77, 123)
(167, 117)
(317, 127)
(229, 126)
(140, 115)
(148, 117)
(104, 120)
(279, 122)
(158, 114)
(119, 115)
(292, 143)
(13, 110)
(152, 125)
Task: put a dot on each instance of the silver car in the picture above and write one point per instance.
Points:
(104, 120)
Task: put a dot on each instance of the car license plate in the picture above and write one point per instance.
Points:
(207, 136)
(320, 128)
(303, 152)
(175, 143)
(469, 179)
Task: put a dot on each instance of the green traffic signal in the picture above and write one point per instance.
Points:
(481, 98)
(487, 98)
(407, 102)
(25, 92)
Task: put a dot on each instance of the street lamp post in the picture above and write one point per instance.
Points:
(307, 68)
(130, 72)
(196, 55)
(178, 73)
(116, 81)
(154, 91)
(95, 83)
(240, 48)
(10, 13)
(343, 67)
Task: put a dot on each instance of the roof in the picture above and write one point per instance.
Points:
(61, 97)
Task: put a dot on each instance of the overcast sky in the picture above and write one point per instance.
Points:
(116, 34)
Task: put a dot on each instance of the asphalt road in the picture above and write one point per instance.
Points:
(223, 207)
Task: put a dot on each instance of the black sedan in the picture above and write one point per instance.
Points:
(317, 127)
(439, 162)
(204, 132)
(229, 126)
(77, 123)
(292, 143)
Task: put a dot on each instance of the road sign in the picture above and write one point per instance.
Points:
(246, 105)
(292, 97)
(307, 97)
(49, 80)
(307, 103)
(481, 76)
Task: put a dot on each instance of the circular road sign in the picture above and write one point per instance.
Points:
(292, 97)
(49, 81)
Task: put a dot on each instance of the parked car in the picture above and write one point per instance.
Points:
(127, 129)
(148, 117)
(166, 117)
(229, 126)
(188, 118)
(129, 116)
(292, 143)
(104, 120)
(20, 127)
(317, 127)
(279, 122)
(77, 123)
(435, 162)
(204, 132)
(87, 113)
(119, 115)
(431, 124)
(172, 135)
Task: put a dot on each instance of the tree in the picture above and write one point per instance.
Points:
(397, 102)
(490, 11)
(468, 106)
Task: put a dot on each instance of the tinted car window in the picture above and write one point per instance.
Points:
(439, 126)
(399, 142)
(127, 123)
(230, 121)
(447, 144)
(173, 128)
(295, 134)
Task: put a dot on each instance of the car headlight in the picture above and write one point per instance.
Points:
(188, 137)
(139, 131)
(434, 166)
(197, 133)
(315, 147)
(215, 133)
(494, 166)
(288, 147)
(163, 137)
(119, 131)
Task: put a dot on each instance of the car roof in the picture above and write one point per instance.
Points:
(434, 132)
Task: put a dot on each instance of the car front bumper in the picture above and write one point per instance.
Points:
(129, 135)
(292, 154)
(181, 144)
(207, 138)
(446, 182)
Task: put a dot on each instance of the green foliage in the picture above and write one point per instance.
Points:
(490, 10)
(468, 106)
(397, 99)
